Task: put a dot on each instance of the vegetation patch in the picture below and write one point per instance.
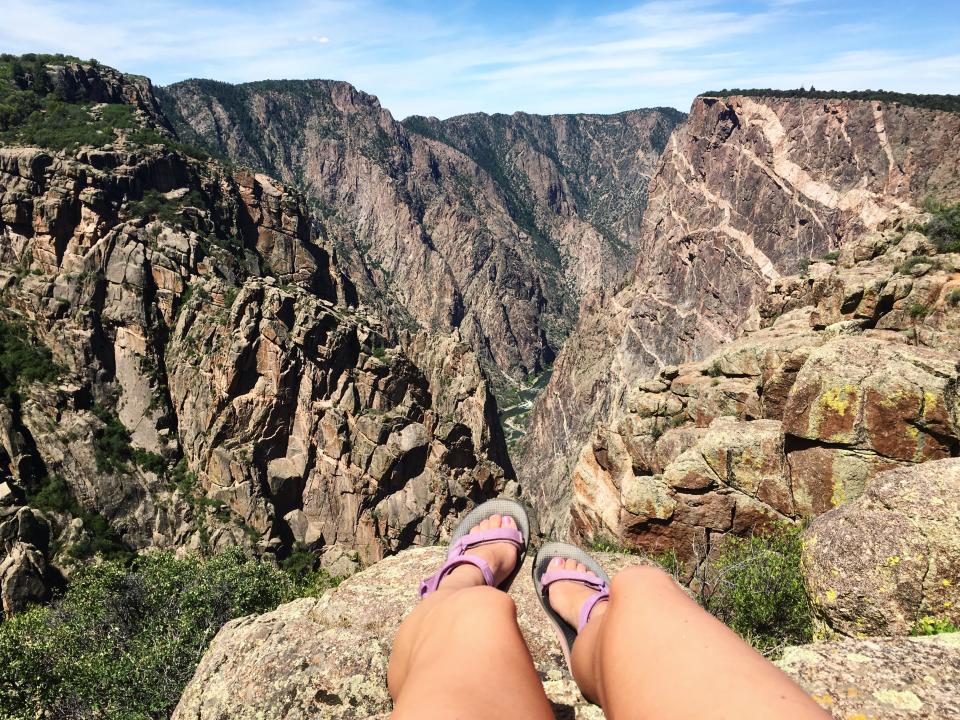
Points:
(123, 641)
(101, 540)
(755, 586)
(930, 625)
(950, 103)
(943, 229)
(35, 112)
(23, 361)
(907, 266)
(112, 449)
(155, 204)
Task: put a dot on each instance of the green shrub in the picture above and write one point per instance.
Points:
(929, 625)
(155, 204)
(122, 642)
(100, 539)
(911, 262)
(23, 361)
(714, 370)
(832, 256)
(943, 229)
(953, 297)
(756, 587)
(918, 311)
(112, 449)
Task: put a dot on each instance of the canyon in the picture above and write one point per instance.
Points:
(271, 316)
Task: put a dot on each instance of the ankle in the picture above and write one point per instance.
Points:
(462, 576)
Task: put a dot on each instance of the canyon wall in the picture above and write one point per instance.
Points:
(491, 225)
(748, 191)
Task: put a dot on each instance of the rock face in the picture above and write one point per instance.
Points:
(793, 418)
(327, 657)
(879, 564)
(25, 575)
(218, 382)
(880, 677)
(747, 190)
(494, 226)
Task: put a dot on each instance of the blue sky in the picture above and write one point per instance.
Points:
(446, 58)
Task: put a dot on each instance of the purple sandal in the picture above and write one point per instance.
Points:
(463, 540)
(543, 577)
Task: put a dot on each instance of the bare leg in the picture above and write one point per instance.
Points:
(460, 655)
(652, 652)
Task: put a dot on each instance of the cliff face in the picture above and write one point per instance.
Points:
(214, 383)
(494, 226)
(578, 182)
(746, 192)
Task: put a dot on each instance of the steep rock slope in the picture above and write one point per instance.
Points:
(579, 182)
(747, 190)
(214, 386)
(492, 226)
(854, 372)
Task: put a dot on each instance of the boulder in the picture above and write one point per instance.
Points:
(877, 565)
(327, 657)
(879, 678)
(860, 405)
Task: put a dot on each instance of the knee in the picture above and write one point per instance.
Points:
(467, 603)
(640, 579)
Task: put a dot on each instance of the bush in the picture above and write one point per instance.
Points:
(929, 625)
(943, 229)
(112, 449)
(23, 361)
(156, 204)
(122, 642)
(101, 539)
(918, 311)
(757, 589)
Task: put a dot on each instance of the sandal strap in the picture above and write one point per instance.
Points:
(433, 582)
(591, 581)
(587, 608)
(457, 556)
(485, 537)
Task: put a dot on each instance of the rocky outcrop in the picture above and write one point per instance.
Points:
(747, 190)
(95, 83)
(26, 577)
(877, 565)
(255, 666)
(494, 226)
(793, 418)
(218, 385)
(327, 657)
(880, 677)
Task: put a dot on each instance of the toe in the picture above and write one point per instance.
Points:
(494, 521)
(570, 564)
(508, 522)
(581, 567)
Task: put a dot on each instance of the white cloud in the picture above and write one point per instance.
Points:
(653, 53)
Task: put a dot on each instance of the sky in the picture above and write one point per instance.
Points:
(447, 58)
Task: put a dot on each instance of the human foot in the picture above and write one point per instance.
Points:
(567, 597)
(501, 557)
